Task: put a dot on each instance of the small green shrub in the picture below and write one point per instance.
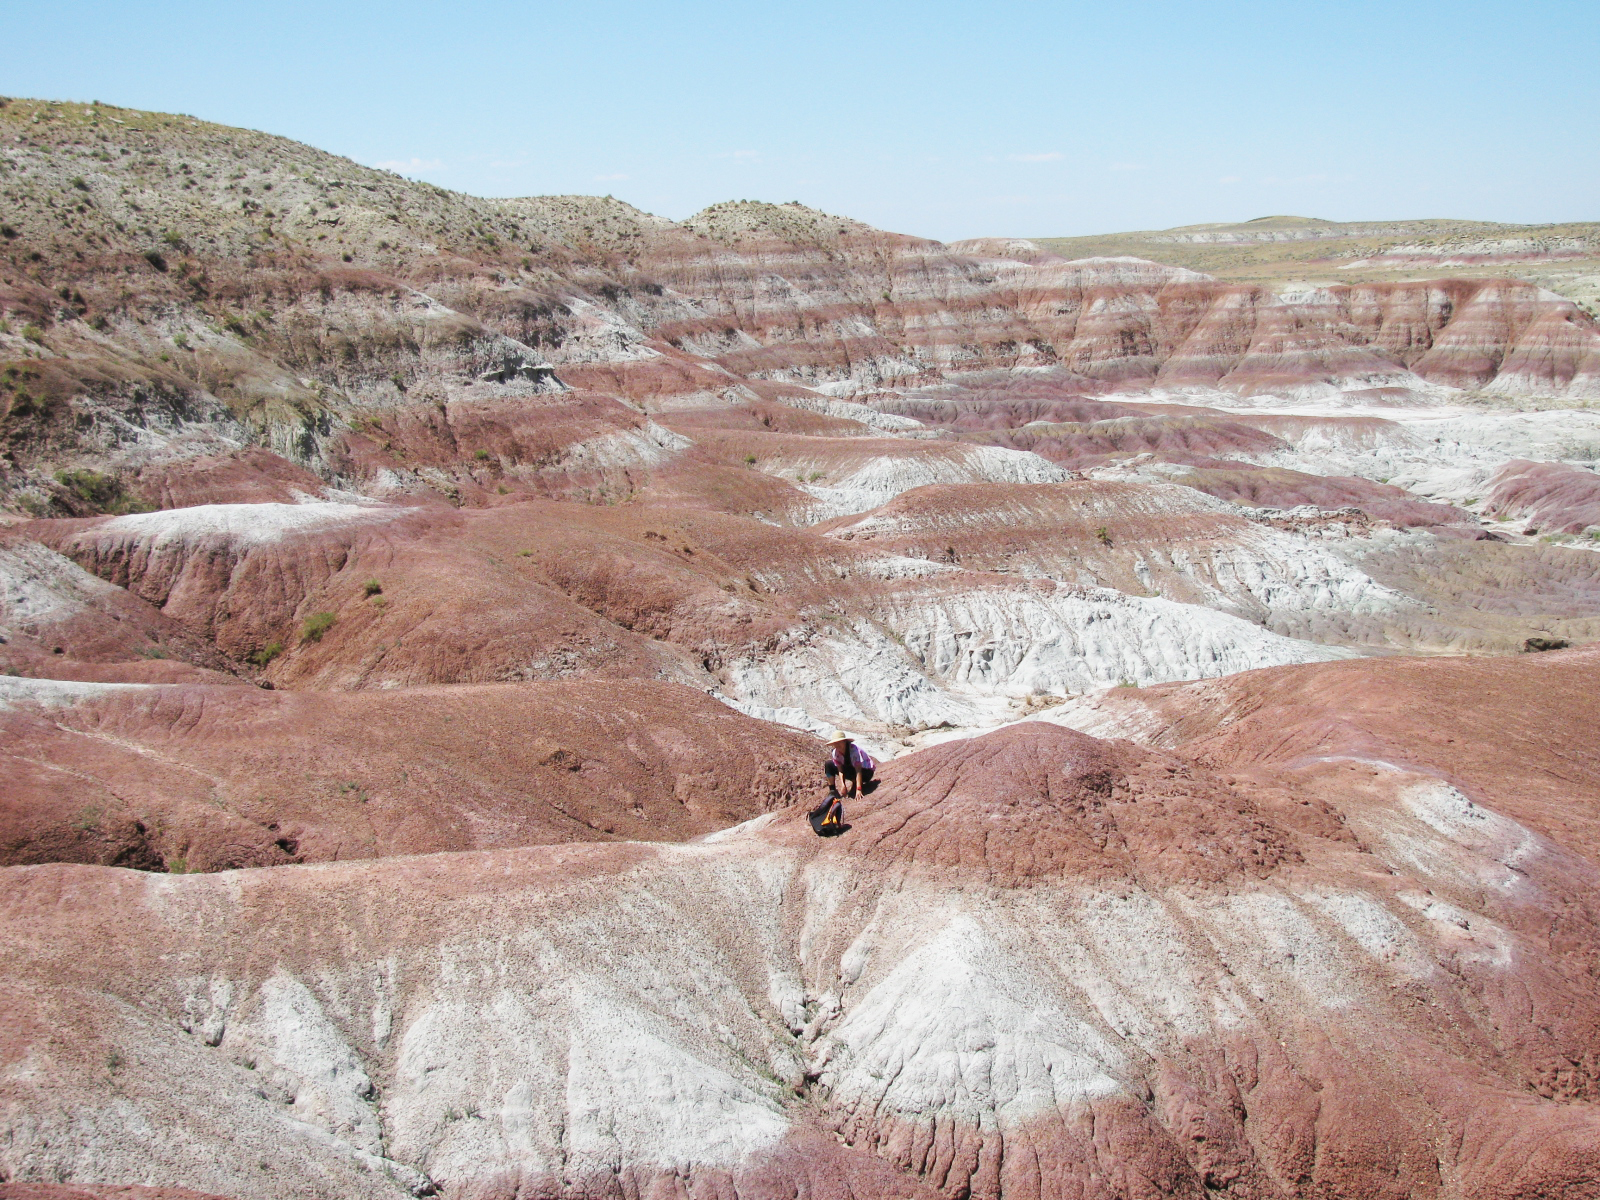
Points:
(481, 455)
(1102, 536)
(34, 334)
(80, 183)
(153, 257)
(316, 625)
(267, 653)
(372, 588)
(91, 486)
(749, 460)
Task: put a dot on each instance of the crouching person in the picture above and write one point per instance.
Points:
(849, 771)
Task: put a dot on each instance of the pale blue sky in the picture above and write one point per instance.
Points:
(942, 119)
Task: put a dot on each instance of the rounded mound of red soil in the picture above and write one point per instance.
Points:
(1035, 801)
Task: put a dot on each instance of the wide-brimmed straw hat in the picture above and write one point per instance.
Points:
(838, 737)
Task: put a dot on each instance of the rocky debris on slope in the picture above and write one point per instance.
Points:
(1038, 964)
(1548, 497)
(738, 221)
(130, 1191)
(207, 778)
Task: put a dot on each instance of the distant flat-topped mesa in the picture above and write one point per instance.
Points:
(1564, 257)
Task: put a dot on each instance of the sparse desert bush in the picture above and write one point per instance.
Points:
(316, 625)
(102, 491)
(267, 653)
(371, 588)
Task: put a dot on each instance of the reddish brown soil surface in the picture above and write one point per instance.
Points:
(1513, 732)
(1225, 973)
(525, 590)
(205, 779)
(1276, 487)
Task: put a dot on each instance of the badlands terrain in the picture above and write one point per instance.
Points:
(418, 612)
(1564, 258)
